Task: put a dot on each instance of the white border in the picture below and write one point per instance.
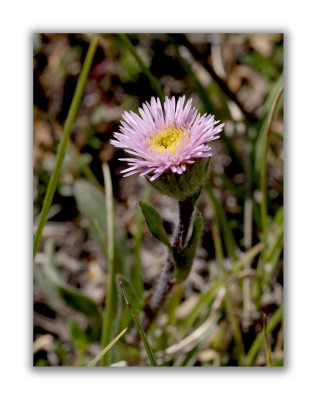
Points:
(18, 21)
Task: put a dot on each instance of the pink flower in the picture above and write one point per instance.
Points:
(165, 141)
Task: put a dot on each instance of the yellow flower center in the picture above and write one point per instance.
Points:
(168, 139)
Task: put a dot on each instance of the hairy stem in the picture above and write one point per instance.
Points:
(165, 282)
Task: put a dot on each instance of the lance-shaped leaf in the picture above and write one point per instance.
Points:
(184, 260)
(155, 225)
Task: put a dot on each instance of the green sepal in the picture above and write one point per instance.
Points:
(184, 260)
(187, 184)
(155, 225)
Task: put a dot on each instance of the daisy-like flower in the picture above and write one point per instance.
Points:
(165, 140)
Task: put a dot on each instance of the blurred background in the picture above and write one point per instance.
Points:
(207, 321)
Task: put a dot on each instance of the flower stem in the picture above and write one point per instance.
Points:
(165, 283)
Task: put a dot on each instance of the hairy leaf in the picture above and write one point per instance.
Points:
(155, 224)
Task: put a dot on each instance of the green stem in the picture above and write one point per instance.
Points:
(63, 144)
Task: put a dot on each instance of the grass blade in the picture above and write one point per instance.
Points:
(83, 77)
(107, 326)
(104, 351)
(260, 140)
(264, 161)
(140, 329)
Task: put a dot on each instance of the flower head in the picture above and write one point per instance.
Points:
(165, 142)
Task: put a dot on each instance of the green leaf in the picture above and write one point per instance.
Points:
(155, 224)
(184, 260)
